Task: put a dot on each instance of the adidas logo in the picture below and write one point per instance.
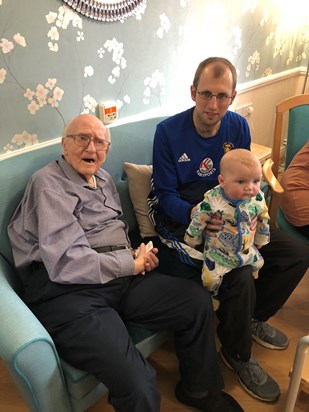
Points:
(184, 158)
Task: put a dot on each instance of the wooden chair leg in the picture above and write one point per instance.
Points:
(296, 375)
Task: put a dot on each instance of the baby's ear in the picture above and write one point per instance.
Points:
(221, 180)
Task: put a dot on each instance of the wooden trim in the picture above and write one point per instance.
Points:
(281, 108)
(294, 101)
(275, 192)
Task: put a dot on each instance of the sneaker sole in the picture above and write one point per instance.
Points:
(268, 345)
(242, 384)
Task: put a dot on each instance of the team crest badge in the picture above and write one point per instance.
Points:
(227, 146)
(206, 167)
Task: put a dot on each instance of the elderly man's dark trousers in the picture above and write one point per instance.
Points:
(87, 323)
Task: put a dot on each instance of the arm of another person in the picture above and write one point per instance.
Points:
(294, 202)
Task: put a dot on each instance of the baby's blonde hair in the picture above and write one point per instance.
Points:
(232, 158)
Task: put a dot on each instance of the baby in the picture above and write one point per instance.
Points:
(237, 200)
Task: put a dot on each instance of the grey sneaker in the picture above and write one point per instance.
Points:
(268, 336)
(253, 378)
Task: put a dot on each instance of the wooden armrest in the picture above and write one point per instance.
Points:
(276, 190)
(271, 178)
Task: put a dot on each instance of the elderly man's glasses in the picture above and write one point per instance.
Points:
(221, 97)
(84, 141)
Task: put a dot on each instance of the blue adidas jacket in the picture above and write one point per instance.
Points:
(186, 165)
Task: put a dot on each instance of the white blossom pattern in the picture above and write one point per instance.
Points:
(6, 46)
(154, 86)
(254, 63)
(88, 71)
(62, 20)
(8, 148)
(80, 36)
(89, 103)
(53, 33)
(23, 139)
(44, 96)
(236, 34)
(101, 52)
(20, 40)
(165, 25)
(117, 50)
(261, 36)
(2, 75)
(127, 99)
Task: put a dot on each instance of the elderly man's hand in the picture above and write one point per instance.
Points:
(145, 261)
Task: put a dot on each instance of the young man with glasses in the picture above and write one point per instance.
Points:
(187, 151)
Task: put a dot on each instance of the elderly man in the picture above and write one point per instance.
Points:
(84, 281)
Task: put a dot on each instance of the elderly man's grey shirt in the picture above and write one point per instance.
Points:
(61, 219)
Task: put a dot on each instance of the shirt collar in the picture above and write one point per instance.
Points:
(75, 177)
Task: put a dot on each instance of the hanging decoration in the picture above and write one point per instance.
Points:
(107, 11)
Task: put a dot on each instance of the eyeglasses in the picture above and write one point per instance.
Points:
(221, 97)
(84, 141)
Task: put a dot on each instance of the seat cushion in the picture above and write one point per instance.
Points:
(139, 188)
(79, 383)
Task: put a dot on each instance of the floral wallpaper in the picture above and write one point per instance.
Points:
(56, 63)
